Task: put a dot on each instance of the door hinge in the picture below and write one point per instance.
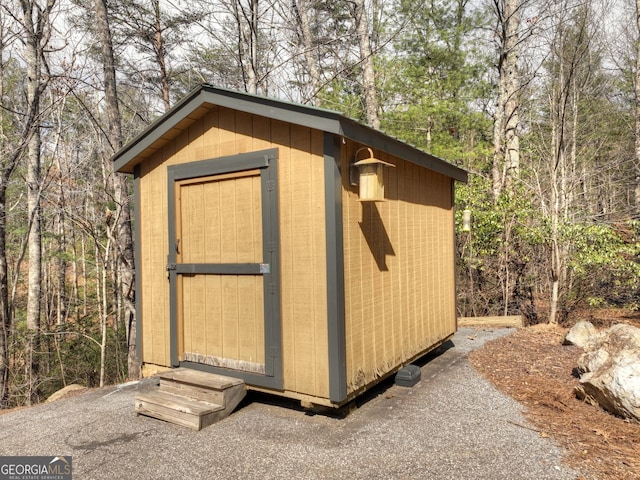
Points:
(270, 185)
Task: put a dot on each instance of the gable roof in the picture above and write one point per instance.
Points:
(206, 97)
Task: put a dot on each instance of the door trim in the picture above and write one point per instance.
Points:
(266, 161)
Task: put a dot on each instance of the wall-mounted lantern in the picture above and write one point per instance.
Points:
(368, 174)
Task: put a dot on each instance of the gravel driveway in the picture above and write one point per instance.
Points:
(452, 425)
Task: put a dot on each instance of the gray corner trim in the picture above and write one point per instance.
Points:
(137, 256)
(266, 161)
(335, 269)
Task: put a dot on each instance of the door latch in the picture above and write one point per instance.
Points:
(170, 266)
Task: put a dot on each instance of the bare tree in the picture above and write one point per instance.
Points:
(36, 25)
(303, 11)
(506, 140)
(10, 154)
(570, 75)
(366, 59)
(637, 112)
(246, 18)
(234, 50)
(5, 319)
(124, 235)
(155, 33)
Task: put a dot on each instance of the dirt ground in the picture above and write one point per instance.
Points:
(533, 367)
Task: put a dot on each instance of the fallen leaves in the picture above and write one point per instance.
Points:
(533, 367)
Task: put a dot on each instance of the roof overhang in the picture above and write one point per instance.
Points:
(206, 97)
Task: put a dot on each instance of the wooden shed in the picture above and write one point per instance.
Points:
(257, 259)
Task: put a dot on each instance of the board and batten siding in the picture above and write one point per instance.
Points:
(222, 132)
(399, 269)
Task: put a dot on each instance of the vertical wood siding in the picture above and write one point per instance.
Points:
(224, 132)
(220, 221)
(303, 260)
(399, 270)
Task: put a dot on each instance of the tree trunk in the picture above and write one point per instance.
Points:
(366, 59)
(109, 72)
(126, 268)
(124, 235)
(101, 281)
(253, 48)
(247, 29)
(557, 156)
(557, 264)
(558, 176)
(637, 114)
(61, 273)
(5, 319)
(61, 263)
(303, 11)
(35, 41)
(34, 35)
(158, 45)
(506, 142)
(570, 61)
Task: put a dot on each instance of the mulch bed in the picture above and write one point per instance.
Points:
(533, 367)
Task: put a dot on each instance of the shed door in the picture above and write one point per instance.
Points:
(224, 273)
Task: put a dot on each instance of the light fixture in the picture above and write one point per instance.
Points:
(368, 174)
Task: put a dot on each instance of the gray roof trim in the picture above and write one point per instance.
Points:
(125, 159)
(380, 141)
(313, 117)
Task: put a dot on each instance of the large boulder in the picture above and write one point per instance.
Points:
(610, 367)
(581, 334)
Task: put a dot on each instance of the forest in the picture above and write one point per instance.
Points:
(539, 100)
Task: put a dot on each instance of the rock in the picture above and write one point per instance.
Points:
(611, 366)
(581, 334)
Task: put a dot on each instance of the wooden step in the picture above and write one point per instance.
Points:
(204, 386)
(177, 409)
(192, 391)
(201, 379)
(192, 398)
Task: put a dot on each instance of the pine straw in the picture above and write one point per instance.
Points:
(534, 368)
